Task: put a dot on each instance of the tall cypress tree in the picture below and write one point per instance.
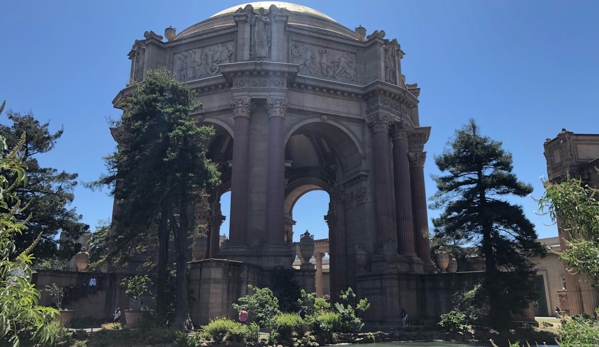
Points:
(159, 171)
(48, 192)
(477, 175)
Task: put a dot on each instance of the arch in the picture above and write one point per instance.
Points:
(333, 123)
(300, 187)
(220, 123)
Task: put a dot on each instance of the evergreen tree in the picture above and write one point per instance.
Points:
(478, 174)
(47, 192)
(157, 175)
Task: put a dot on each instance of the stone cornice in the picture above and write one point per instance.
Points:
(218, 31)
(417, 138)
(392, 91)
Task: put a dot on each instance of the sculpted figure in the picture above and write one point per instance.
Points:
(323, 63)
(345, 67)
(139, 64)
(311, 59)
(390, 72)
(261, 34)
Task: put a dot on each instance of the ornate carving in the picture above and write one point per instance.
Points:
(202, 62)
(277, 107)
(376, 34)
(378, 122)
(259, 83)
(400, 130)
(417, 140)
(378, 101)
(361, 196)
(241, 107)
(138, 55)
(153, 35)
(390, 65)
(417, 159)
(260, 24)
(323, 62)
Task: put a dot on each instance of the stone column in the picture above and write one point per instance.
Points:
(403, 193)
(379, 124)
(420, 213)
(240, 173)
(318, 256)
(275, 189)
(334, 268)
(215, 223)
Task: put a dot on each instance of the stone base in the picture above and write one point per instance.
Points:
(277, 254)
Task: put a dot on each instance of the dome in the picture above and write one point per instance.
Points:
(280, 4)
(298, 15)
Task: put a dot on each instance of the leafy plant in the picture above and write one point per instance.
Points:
(261, 305)
(19, 309)
(326, 323)
(579, 331)
(287, 324)
(224, 329)
(55, 293)
(182, 339)
(454, 320)
(136, 287)
(349, 309)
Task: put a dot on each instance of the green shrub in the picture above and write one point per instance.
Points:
(454, 320)
(182, 339)
(262, 306)
(325, 324)
(112, 326)
(88, 322)
(288, 323)
(159, 336)
(349, 309)
(579, 331)
(219, 328)
(224, 329)
(60, 336)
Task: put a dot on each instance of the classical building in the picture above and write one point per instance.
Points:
(576, 156)
(300, 102)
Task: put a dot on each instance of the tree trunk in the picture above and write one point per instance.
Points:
(181, 320)
(161, 266)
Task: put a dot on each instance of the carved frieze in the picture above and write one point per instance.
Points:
(417, 140)
(324, 62)
(417, 159)
(202, 62)
(376, 101)
(266, 82)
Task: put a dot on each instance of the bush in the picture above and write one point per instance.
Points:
(349, 309)
(87, 322)
(579, 331)
(262, 306)
(60, 336)
(288, 323)
(326, 324)
(158, 336)
(182, 339)
(218, 329)
(454, 320)
(223, 329)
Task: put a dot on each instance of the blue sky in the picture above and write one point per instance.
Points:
(523, 69)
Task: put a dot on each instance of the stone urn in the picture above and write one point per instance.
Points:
(361, 256)
(306, 246)
(453, 265)
(200, 248)
(360, 33)
(133, 317)
(442, 260)
(390, 251)
(82, 260)
(170, 33)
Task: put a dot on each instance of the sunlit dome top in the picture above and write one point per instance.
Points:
(280, 4)
(298, 15)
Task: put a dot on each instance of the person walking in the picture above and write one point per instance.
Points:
(116, 316)
(404, 317)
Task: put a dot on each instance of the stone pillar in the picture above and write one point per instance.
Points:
(275, 248)
(318, 256)
(334, 268)
(403, 193)
(589, 294)
(379, 124)
(420, 213)
(215, 223)
(240, 173)
(575, 304)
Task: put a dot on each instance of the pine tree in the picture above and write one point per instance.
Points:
(47, 192)
(478, 173)
(159, 171)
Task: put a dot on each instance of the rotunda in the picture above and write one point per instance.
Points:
(300, 102)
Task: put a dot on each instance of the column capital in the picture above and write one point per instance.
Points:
(417, 159)
(318, 255)
(241, 107)
(379, 122)
(400, 130)
(277, 107)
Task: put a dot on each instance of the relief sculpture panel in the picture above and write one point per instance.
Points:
(324, 62)
(202, 62)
